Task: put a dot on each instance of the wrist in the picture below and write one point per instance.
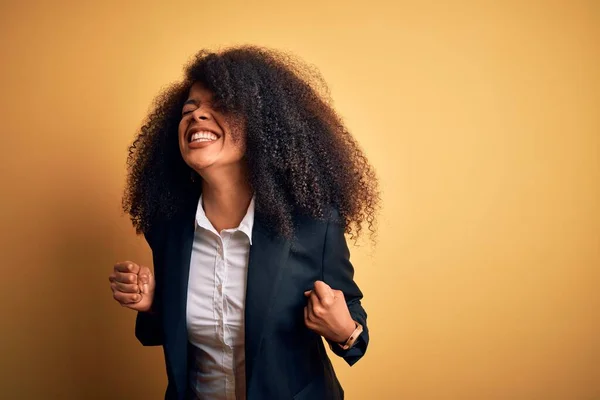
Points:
(352, 339)
(349, 329)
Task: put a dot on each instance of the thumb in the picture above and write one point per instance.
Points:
(146, 280)
(323, 289)
(146, 283)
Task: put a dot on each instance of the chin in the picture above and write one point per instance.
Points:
(199, 159)
(201, 165)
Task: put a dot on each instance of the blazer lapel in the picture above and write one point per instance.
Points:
(268, 257)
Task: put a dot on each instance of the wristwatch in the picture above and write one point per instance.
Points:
(353, 337)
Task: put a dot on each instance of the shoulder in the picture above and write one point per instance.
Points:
(331, 218)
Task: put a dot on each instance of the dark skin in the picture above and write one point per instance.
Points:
(218, 159)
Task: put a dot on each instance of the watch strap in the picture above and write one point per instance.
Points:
(353, 337)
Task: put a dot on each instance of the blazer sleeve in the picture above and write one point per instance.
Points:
(148, 326)
(338, 273)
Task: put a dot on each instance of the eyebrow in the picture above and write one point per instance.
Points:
(196, 102)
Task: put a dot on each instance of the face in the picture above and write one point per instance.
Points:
(206, 136)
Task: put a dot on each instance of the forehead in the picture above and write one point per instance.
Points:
(199, 92)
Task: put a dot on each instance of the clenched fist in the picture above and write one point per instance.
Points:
(132, 285)
(327, 313)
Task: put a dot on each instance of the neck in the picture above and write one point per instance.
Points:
(225, 197)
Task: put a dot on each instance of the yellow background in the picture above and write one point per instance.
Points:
(481, 118)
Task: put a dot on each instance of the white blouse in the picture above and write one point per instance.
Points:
(215, 307)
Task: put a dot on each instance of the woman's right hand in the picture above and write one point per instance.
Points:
(132, 285)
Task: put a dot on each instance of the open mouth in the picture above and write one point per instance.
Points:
(202, 136)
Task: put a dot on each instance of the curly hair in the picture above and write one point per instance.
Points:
(301, 159)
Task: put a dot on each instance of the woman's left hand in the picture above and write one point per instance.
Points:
(327, 313)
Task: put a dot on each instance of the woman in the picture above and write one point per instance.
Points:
(243, 181)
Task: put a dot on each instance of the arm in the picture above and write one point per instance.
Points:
(148, 327)
(338, 272)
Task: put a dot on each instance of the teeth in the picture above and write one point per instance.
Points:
(203, 136)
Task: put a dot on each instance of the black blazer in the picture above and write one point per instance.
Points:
(284, 359)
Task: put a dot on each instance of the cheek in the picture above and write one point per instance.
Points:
(236, 146)
(181, 129)
(238, 150)
(237, 142)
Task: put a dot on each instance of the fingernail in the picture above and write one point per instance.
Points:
(145, 288)
(144, 278)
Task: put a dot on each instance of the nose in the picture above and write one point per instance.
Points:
(201, 114)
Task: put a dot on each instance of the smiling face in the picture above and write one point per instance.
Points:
(206, 136)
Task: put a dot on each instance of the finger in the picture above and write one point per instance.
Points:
(309, 304)
(307, 293)
(127, 266)
(323, 290)
(127, 298)
(307, 322)
(315, 309)
(314, 300)
(125, 287)
(307, 318)
(338, 293)
(126, 277)
(327, 300)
